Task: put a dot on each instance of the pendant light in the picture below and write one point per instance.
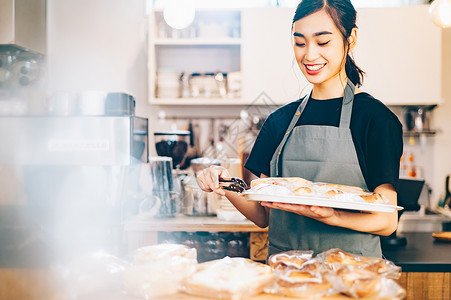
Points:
(179, 14)
(440, 12)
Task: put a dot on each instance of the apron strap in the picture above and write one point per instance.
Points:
(346, 108)
(294, 120)
(345, 120)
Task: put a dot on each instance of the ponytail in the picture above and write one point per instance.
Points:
(354, 73)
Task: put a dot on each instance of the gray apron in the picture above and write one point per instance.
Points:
(324, 154)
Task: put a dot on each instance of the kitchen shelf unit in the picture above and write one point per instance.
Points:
(196, 49)
(197, 41)
(418, 133)
(196, 101)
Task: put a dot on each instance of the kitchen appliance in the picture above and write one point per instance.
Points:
(68, 182)
(408, 194)
(23, 24)
(173, 144)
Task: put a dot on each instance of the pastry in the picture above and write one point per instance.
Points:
(304, 188)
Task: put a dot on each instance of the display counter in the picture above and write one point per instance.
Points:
(144, 231)
(426, 263)
(421, 254)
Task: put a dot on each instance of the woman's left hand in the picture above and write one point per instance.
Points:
(311, 211)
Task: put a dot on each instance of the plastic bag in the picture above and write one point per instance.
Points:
(332, 272)
(228, 278)
(302, 277)
(294, 258)
(159, 270)
(161, 252)
(364, 283)
(159, 278)
(336, 259)
(93, 273)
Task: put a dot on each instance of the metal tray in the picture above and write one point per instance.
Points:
(361, 206)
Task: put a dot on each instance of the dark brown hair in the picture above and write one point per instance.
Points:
(344, 15)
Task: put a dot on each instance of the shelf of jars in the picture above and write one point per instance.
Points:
(419, 133)
(199, 64)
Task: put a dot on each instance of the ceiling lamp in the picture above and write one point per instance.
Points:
(440, 11)
(179, 14)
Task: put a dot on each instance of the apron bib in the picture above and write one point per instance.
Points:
(324, 154)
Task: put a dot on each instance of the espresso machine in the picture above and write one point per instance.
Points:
(69, 178)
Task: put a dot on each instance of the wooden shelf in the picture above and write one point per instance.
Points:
(188, 223)
(196, 101)
(419, 133)
(198, 42)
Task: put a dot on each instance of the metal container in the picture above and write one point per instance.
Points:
(119, 104)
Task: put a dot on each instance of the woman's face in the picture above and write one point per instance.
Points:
(319, 48)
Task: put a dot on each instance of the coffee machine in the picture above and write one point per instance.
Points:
(68, 180)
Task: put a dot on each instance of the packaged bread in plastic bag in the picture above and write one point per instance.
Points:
(161, 252)
(228, 278)
(364, 276)
(159, 270)
(362, 283)
(302, 277)
(92, 273)
(294, 258)
(335, 259)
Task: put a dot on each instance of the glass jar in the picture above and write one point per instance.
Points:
(210, 87)
(196, 86)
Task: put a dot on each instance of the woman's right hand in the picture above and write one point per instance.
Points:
(208, 179)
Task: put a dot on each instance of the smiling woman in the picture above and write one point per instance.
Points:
(337, 134)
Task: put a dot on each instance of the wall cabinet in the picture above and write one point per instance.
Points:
(268, 64)
(400, 50)
(210, 45)
(398, 47)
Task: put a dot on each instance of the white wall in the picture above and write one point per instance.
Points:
(442, 121)
(98, 45)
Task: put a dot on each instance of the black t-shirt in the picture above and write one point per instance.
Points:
(376, 133)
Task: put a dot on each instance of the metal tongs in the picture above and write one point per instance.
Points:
(233, 184)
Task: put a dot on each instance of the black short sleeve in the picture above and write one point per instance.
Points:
(269, 138)
(384, 151)
(375, 129)
(260, 157)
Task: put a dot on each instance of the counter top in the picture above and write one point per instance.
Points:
(187, 223)
(421, 254)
